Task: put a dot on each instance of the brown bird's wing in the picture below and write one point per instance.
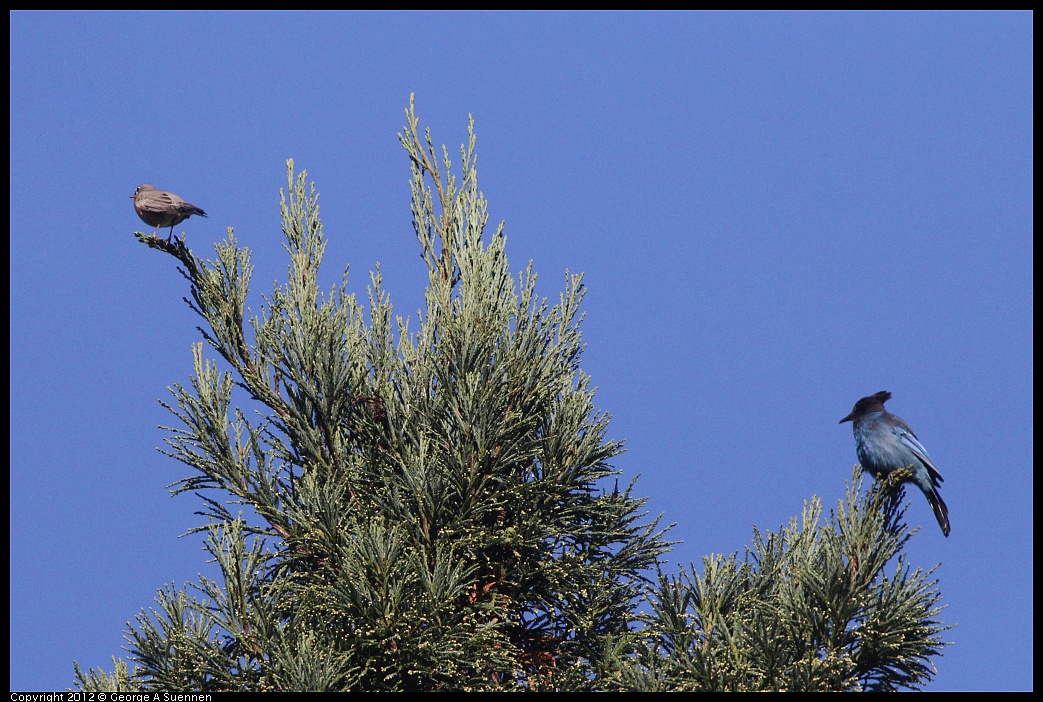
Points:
(160, 202)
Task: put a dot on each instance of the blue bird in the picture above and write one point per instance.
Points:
(885, 444)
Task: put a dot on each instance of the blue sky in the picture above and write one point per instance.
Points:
(776, 215)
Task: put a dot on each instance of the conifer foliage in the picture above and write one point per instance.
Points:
(821, 605)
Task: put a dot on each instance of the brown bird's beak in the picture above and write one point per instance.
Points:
(847, 418)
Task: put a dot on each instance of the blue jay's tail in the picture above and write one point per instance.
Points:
(941, 512)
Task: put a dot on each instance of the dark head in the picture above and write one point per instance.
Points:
(873, 403)
(141, 189)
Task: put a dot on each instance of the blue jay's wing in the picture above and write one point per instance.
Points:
(908, 438)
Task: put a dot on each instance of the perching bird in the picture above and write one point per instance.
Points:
(885, 444)
(161, 209)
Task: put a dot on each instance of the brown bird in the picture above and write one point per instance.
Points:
(161, 209)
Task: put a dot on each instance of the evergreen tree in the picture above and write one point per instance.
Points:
(429, 510)
(818, 606)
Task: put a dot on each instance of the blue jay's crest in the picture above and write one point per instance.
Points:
(873, 403)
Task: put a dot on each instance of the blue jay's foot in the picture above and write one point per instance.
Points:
(901, 475)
